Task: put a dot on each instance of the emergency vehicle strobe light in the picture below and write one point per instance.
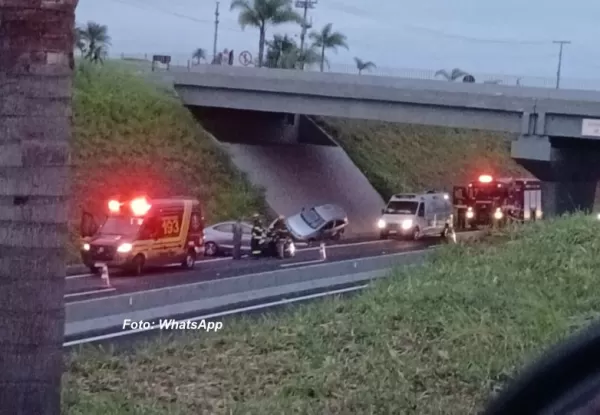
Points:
(485, 178)
(140, 206)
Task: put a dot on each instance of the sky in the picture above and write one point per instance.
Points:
(512, 37)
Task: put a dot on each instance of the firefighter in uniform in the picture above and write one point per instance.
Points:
(257, 238)
(278, 225)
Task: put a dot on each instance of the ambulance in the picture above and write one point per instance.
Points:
(411, 215)
(142, 232)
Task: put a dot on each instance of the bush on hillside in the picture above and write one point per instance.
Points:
(403, 157)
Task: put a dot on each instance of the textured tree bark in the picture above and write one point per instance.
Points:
(36, 65)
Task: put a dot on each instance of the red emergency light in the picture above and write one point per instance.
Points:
(485, 178)
(140, 206)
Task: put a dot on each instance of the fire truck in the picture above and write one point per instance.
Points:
(490, 201)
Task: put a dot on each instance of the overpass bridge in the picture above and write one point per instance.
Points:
(558, 130)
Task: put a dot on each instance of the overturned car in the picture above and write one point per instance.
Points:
(318, 223)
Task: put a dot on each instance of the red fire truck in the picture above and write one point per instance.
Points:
(496, 201)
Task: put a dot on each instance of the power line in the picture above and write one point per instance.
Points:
(152, 7)
(561, 43)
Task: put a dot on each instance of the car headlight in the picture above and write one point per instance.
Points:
(470, 213)
(407, 224)
(381, 224)
(498, 214)
(598, 216)
(124, 248)
(292, 248)
(86, 247)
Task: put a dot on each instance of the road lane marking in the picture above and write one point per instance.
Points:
(102, 290)
(222, 314)
(263, 273)
(292, 264)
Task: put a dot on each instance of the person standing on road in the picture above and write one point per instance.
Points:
(258, 236)
(237, 239)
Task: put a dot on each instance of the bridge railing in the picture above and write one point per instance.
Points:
(185, 63)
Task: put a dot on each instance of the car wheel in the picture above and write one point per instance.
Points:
(416, 235)
(190, 260)
(211, 249)
(137, 265)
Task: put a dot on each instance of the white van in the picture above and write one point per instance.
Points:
(416, 215)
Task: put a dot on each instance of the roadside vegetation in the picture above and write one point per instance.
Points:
(129, 136)
(404, 157)
(437, 340)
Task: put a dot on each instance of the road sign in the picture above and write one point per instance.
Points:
(590, 127)
(245, 58)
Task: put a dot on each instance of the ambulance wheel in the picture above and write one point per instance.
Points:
(416, 235)
(190, 260)
(137, 265)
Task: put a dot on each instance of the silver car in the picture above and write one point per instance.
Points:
(318, 223)
(218, 238)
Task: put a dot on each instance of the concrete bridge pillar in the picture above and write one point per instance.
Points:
(568, 167)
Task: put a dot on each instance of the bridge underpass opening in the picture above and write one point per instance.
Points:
(296, 163)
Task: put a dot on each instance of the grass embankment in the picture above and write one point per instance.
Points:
(404, 157)
(434, 341)
(129, 135)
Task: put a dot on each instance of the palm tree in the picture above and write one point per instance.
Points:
(96, 39)
(260, 13)
(327, 39)
(199, 54)
(363, 65)
(35, 180)
(283, 52)
(79, 42)
(453, 75)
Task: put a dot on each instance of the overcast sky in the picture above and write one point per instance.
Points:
(502, 37)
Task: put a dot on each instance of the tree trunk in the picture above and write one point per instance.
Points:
(322, 58)
(35, 128)
(261, 46)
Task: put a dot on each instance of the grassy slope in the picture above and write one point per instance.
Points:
(434, 341)
(131, 136)
(403, 157)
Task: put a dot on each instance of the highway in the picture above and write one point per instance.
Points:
(86, 286)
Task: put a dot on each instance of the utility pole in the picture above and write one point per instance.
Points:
(561, 43)
(305, 5)
(216, 31)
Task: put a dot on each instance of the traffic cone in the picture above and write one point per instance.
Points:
(104, 275)
(322, 251)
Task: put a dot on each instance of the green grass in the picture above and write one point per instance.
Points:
(404, 157)
(130, 135)
(436, 340)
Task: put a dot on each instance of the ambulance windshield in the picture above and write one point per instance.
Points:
(401, 207)
(121, 225)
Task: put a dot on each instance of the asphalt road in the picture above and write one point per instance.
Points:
(86, 286)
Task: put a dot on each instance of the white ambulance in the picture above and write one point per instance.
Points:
(410, 215)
